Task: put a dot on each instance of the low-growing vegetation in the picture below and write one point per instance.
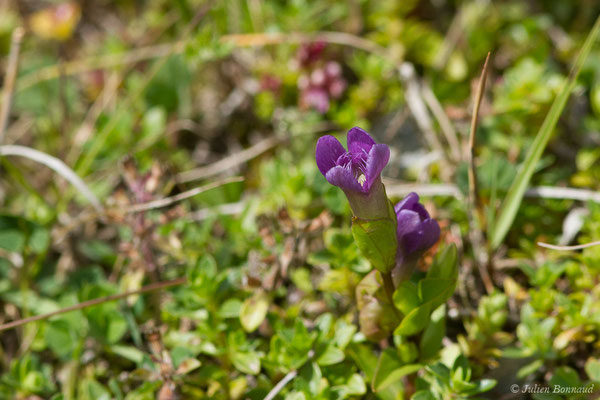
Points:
(299, 200)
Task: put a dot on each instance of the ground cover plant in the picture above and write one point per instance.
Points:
(256, 199)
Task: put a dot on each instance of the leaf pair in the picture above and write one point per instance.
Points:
(418, 300)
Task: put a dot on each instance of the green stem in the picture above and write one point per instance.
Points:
(388, 285)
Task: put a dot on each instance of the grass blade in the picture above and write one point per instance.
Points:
(513, 199)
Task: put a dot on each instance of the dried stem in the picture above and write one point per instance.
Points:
(285, 380)
(473, 194)
(9, 79)
(474, 207)
(281, 384)
(94, 302)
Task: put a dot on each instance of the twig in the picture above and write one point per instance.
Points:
(568, 248)
(56, 165)
(9, 79)
(281, 384)
(228, 162)
(167, 201)
(474, 208)
(148, 288)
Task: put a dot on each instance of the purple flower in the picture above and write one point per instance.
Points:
(356, 171)
(416, 230)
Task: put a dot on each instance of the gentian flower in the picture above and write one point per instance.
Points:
(416, 232)
(357, 171)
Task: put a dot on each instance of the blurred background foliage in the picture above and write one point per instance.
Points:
(147, 99)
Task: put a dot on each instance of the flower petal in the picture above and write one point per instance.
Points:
(378, 157)
(359, 141)
(408, 222)
(420, 208)
(431, 233)
(343, 178)
(407, 203)
(413, 241)
(329, 149)
(422, 239)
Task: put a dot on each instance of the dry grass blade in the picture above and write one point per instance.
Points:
(416, 104)
(445, 124)
(551, 192)
(181, 196)
(57, 166)
(568, 248)
(228, 162)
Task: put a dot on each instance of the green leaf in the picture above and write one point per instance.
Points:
(390, 369)
(415, 321)
(423, 395)
(377, 241)
(188, 365)
(431, 292)
(485, 384)
(90, 389)
(436, 291)
(431, 341)
(513, 198)
(61, 338)
(253, 311)
(129, 352)
(309, 380)
(445, 265)
(406, 297)
(248, 363)
(12, 240)
(530, 368)
(355, 386)
(592, 369)
(565, 377)
(331, 355)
